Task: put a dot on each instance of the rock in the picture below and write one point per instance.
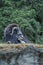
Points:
(27, 55)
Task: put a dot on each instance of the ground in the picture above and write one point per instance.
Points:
(18, 46)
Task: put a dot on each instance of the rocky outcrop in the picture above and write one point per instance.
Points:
(20, 54)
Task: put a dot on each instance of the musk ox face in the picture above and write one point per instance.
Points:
(8, 32)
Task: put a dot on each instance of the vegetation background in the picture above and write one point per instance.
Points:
(28, 14)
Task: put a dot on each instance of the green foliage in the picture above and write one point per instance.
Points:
(1, 3)
(27, 13)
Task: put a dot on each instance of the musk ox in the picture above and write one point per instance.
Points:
(13, 34)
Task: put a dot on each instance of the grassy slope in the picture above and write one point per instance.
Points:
(18, 46)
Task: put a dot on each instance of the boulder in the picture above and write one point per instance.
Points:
(20, 55)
